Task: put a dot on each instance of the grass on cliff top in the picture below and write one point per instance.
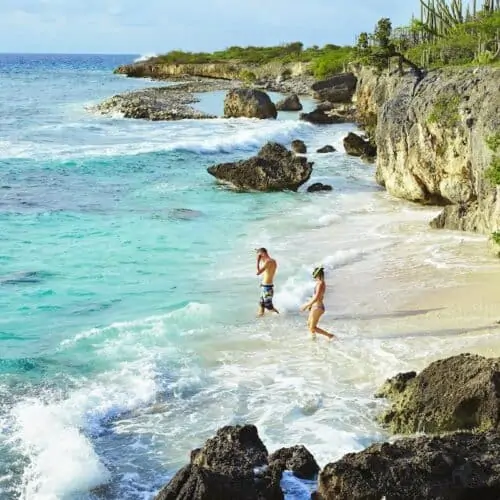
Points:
(325, 61)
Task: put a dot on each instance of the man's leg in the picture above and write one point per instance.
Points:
(260, 312)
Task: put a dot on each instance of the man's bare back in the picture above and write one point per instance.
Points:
(266, 266)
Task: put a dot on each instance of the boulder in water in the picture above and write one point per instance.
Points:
(326, 149)
(232, 465)
(299, 146)
(249, 103)
(355, 145)
(318, 186)
(339, 88)
(321, 117)
(273, 169)
(298, 460)
(290, 103)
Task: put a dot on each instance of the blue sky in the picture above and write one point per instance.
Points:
(151, 26)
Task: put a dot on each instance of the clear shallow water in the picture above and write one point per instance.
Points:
(128, 292)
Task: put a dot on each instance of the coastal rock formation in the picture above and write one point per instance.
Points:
(457, 393)
(161, 103)
(249, 103)
(339, 88)
(320, 117)
(431, 135)
(458, 466)
(290, 103)
(299, 146)
(326, 149)
(297, 459)
(273, 169)
(355, 145)
(318, 186)
(233, 464)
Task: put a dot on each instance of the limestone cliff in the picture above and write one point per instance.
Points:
(431, 140)
(154, 68)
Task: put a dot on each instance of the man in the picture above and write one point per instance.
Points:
(267, 267)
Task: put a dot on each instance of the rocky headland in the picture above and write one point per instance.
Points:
(432, 133)
(463, 396)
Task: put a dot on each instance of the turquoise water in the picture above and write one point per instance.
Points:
(128, 291)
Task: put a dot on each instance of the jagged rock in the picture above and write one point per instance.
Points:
(321, 117)
(273, 169)
(297, 459)
(354, 145)
(318, 186)
(290, 103)
(249, 103)
(299, 146)
(232, 465)
(453, 467)
(339, 88)
(326, 149)
(457, 393)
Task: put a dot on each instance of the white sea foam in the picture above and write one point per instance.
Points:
(145, 57)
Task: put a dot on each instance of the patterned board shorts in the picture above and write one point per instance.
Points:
(266, 296)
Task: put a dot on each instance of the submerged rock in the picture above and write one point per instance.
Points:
(457, 393)
(298, 460)
(273, 169)
(318, 186)
(453, 467)
(290, 103)
(249, 103)
(232, 465)
(299, 146)
(326, 149)
(357, 146)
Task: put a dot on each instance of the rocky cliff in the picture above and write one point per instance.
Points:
(431, 135)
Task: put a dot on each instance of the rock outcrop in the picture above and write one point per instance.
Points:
(320, 117)
(339, 88)
(318, 186)
(453, 467)
(299, 146)
(298, 460)
(162, 103)
(326, 149)
(273, 169)
(355, 145)
(233, 464)
(457, 393)
(290, 103)
(431, 137)
(248, 103)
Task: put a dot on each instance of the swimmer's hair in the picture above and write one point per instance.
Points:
(261, 250)
(319, 272)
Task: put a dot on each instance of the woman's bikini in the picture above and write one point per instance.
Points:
(318, 305)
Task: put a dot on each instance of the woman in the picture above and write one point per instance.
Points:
(315, 306)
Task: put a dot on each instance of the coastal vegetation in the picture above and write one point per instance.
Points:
(446, 33)
(445, 111)
(493, 171)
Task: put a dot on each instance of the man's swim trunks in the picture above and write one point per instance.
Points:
(266, 296)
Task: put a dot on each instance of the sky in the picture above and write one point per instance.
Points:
(155, 26)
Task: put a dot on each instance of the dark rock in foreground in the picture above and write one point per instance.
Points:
(457, 393)
(453, 467)
(318, 186)
(297, 459)
(161, 103)
(273, 169)
(249, 103)
(326, 149)
(299, 146)
(339, 88)
(357, 146)
(290, 103)
(320, 117)
(234, 465)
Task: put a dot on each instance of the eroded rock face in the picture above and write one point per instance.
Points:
(248, 103)
(453, 467)
(299, 146)
(431, 140)
(355, 145)
(297, 459)
(273, 169)
(290, 103)
(339, 88)
(233, 464)
(457, 393)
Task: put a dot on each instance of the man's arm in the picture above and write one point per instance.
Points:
(261, 269)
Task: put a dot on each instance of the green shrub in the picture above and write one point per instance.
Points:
(495, 236)
(247, 76)
(445, 111)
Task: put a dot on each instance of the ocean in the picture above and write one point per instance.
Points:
(128, 291)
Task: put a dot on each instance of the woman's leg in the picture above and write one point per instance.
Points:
(314, 316)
